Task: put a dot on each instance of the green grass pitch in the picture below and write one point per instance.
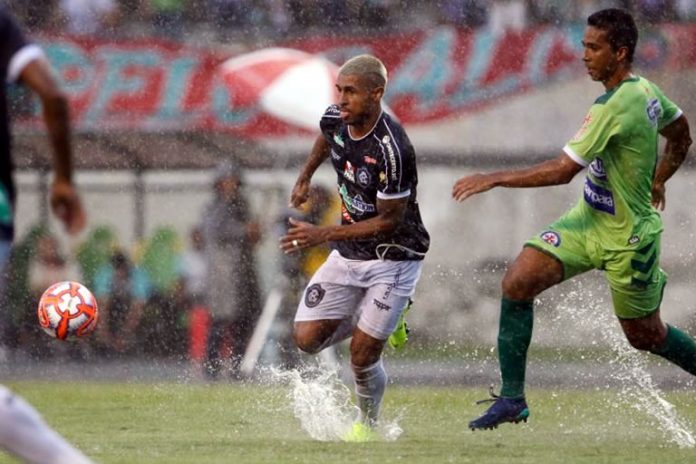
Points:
(232, 423)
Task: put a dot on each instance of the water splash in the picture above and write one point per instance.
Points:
(638, 389)
(323, 403)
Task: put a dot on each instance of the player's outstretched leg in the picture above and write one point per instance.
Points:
(502, 410)
(25, 434)
(399, 337)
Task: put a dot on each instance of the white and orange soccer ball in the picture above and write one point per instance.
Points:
(68, 310)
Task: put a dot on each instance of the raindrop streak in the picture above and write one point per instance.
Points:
(322, 403)
(638, 389)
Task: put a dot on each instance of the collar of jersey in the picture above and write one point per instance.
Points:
(368, 132)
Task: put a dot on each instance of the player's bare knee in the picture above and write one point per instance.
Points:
(365, 354)
(306, 340)
(515, 288)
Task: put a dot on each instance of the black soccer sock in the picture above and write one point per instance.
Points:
(514, 336)
(679, 348)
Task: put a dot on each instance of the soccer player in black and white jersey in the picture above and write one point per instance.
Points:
(22, 430)
(367, 281)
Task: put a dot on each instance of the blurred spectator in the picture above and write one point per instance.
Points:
(15, 295)
(162, 328)
(231, 237)
(122, 290)
(193, 267)
(89, 17)
(95, 253)
(194, 275)
(160, 260)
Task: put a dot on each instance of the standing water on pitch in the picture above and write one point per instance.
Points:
(323, 405)
(630, 368)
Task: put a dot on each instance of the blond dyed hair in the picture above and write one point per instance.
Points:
(367, 66)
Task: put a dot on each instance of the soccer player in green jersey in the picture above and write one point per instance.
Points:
(615, 227)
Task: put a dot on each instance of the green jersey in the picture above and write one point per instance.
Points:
(618, 141)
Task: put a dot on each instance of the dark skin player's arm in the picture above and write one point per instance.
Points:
(66, 205)
(300, 192)
(678, 143)
(390, 213)
(557, 171)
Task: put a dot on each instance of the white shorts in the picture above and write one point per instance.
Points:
(373, 292)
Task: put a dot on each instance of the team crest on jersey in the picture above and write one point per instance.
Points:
(339, 140)
(364, 177)
(314, 295)
(551, 237)
(349, 171)
(597, 169)
(654, 111)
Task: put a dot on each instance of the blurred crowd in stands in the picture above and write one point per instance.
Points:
(196, 298)
(206, 21)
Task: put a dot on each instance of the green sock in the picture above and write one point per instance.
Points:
(679, 348)
(514, 335)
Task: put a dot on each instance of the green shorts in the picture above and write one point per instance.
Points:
(633, 273)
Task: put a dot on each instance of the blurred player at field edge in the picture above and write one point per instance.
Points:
(366, 282)
(615, 227)
(22, 430)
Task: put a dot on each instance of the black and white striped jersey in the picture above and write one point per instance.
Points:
(380, 165)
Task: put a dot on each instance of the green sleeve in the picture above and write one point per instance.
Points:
(670, 112)
(592, 138)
